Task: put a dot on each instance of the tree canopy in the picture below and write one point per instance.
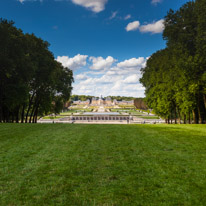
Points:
(32, 82)
(175, 77)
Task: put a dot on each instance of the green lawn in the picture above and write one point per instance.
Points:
(63, 164)
(149, 117)
(73, 111)
(52, 117)
(129, 111)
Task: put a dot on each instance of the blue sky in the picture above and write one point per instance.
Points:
(105, 42)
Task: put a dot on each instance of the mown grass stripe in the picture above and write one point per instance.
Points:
(62, 164)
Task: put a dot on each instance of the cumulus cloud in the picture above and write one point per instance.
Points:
(132, 79)
(133, 26)
(81, 77)
(94, 5)
(155, 27)
(74, 63)
(110, 77)
(99, 63)
(134, 62)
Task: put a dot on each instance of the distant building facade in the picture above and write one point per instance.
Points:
(126, 102)
(87, 102)
(104, 102)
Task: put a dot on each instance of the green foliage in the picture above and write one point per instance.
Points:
(81, 97)
(32, 82)
(174, 78)
(86, 97)
(121, 98)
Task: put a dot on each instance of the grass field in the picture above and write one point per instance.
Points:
(149, 117)
(73, 111)
(52, 117)
(63, 164)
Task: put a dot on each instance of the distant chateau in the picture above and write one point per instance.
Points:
(103, 101)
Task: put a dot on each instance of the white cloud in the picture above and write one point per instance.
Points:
(99, 63)
(74, 63)
(132, 79)
(156, 27)
(128, 17)
(133, 26)
(81, 77)
(114, 88)
(109, 77)
(106, 76)
(156, 1)
(94, 5)
(134, 62)
(114, 14)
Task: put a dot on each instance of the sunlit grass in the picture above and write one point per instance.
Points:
(63, 164)
(149, 117)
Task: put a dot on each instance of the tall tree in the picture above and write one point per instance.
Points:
(30, 78)
(183, 65)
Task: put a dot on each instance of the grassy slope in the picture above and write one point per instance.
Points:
(60, 164)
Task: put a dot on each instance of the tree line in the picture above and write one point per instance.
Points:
(86, 97)
(121, 98)
(32, 82)
(175, 77)
(75, 97)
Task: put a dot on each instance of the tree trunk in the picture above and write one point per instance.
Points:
(1, 110)
(1, 114)
(201, 110)
(30, 103)
(22, 114)
(184, 118)
(17, 115)
(7, 115)
(32, 112)
(12, 117)
(171, 116)
(189, 118)
(195, 116)
(36, 114)
(179, 116)
(175, 115)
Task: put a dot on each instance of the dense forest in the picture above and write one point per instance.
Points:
(175, 77)
(32, 82)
